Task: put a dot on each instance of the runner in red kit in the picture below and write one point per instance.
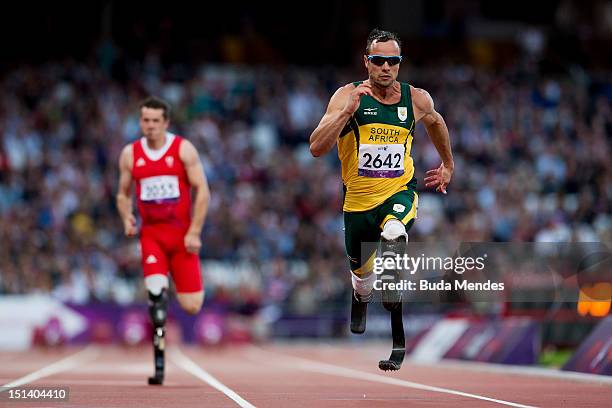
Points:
(164, 168)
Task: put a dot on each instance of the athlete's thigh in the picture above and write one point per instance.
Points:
(153, 258)
(360, 238)
(402, 206)
(186, 271)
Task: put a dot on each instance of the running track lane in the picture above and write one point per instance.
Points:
(343, 375)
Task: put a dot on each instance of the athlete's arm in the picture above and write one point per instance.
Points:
(341, 107)
(437, 131)
(197, 179)
(124, 192)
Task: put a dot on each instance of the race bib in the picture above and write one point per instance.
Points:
(159, 188)
(381, 161)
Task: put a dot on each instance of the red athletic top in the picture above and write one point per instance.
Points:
(162, 188)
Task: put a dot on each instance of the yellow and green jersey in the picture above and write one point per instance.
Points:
(374, 148)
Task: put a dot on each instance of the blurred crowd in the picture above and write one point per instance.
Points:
(531, 164)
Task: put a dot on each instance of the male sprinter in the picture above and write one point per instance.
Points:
(164, 168)
(373, 122)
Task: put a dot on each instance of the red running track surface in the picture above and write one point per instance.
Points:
(302, 375)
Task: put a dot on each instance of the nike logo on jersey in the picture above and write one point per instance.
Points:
(151, 259)
(140, 162)
(370, 111)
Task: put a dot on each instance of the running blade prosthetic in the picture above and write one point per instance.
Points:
(158, 350)
(399, 342)
(359, 309)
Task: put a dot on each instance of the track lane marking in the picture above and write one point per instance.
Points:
(65, 364)
(194, 369)
(524, 371)
(339, 371)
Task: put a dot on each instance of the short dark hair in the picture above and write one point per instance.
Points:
(153, 102)
(382, 36)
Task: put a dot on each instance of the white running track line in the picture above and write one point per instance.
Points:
(65, 364)
(339, 371)
(541, 372)
(188, 365)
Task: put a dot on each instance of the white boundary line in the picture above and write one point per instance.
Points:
(542, 372)
(524, 370)
(65, 364)
(339, 371)
(191, 367)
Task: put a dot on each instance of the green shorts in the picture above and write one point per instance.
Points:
(362, 229)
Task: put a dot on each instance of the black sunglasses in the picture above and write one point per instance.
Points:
(379, 60)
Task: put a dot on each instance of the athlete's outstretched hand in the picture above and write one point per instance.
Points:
(439, 178)
(352, 104)
(129, 226)
(193, 243)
